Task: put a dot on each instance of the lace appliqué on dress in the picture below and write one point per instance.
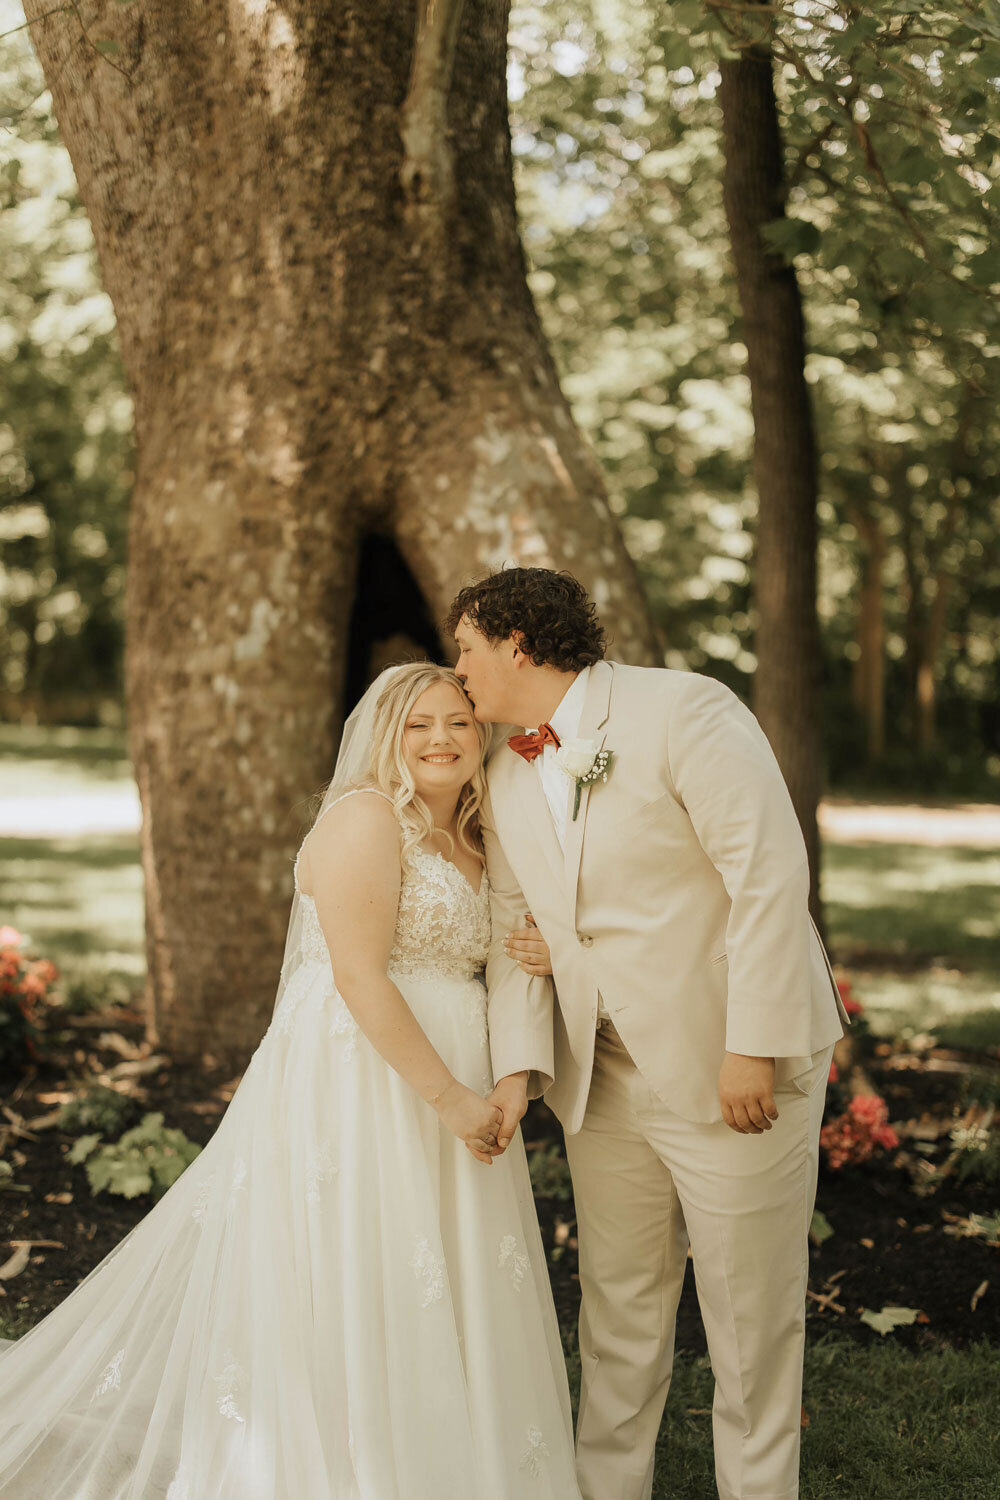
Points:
(513, 1260)
(429, 1271)
(320, 1167)
(110, 1377)
(535, 1453)
(180, 1486)
(200, 1210)
(443, 925)
(343, 1027)
(227, 1384)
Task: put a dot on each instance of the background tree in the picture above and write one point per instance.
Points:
(305, 220)
(786, 683)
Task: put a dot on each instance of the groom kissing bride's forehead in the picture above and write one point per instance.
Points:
(685, 1033)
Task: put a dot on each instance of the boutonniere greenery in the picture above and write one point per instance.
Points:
(583, 763)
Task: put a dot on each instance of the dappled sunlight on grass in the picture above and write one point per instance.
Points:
(918, 902)
(78, 900)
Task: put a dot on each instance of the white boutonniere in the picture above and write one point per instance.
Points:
(583, 763)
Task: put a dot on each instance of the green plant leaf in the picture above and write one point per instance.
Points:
(820, 1229)
(81, 1148)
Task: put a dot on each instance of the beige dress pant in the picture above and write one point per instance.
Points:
(648, 1182)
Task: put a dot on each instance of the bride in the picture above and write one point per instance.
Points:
(338, 1300)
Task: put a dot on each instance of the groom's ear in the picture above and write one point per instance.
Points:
(517, 641)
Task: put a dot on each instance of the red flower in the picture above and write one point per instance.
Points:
(852, 1006)
(834, 1073)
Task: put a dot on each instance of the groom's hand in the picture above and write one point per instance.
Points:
(746, 1093)
(511, 1097)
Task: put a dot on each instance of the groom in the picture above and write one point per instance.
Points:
(685, 1039)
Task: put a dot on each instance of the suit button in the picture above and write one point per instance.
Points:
(586, 941)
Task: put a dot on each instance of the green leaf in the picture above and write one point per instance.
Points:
(81, 1148)
(889, 1318)
(820, 1229)
(791, 237)
(130, 1178)
(986, 267)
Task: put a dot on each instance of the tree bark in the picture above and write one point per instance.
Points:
(786, 684)
(869, 673)
(327, 339)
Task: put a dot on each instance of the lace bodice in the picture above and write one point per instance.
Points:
(442, 924)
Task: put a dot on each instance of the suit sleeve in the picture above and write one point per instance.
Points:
(727, 778)
(519, 1005)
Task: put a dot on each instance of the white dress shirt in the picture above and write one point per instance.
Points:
(557, 786)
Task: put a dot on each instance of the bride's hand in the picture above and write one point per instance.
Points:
(528, 948)
(471, 1118)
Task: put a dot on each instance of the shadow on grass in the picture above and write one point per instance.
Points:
(977, 1031)
(89, 751)
(79, 901)
(908, 904)
(95, 852)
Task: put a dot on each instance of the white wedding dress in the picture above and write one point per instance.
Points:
(336, 1301)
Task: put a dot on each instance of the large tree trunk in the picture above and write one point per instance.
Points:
(329, 336)
(786, 684)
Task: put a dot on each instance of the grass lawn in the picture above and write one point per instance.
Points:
(884, 1424)
(919, 929)
(77, 896)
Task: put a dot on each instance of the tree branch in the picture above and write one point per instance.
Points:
(428, 172)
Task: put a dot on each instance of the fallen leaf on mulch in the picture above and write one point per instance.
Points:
(16, 1264)
(806, 1420)
(975, 1226)
(140, 1068)
(979, 1294)
(889, 1318)
(59, 1197)
(113, 1041)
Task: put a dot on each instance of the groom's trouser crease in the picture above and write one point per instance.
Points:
(645, 1181)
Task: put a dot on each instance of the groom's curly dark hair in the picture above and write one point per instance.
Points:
(551, 610)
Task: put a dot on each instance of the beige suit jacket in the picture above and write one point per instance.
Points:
(682, 898)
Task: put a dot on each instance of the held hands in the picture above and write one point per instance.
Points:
(528, 948)
(511, 1097)
(746, 1093)
(474, 1120)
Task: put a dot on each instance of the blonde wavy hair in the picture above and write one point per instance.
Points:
(390, 773)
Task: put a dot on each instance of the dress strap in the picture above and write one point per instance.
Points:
(354, 791)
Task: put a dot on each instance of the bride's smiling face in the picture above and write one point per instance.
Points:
(440, 740)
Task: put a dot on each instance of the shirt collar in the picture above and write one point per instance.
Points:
(566, 719)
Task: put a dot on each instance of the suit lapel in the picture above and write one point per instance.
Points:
(596, 711)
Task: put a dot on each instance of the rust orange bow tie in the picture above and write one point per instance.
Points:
(531, 745)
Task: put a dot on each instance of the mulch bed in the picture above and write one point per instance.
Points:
(890, 1245)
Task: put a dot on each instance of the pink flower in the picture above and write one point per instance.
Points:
(869, 1110)
(834, 1073)
(855, 1135)
(10, 937)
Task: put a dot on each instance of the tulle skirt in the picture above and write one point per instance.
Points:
(335, 1302)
